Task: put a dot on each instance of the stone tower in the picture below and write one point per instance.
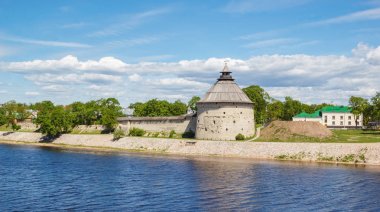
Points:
(225, 111)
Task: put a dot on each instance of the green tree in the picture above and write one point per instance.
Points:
(154, 108)
(375, 101)
(291, 108)
(359, 106)
(275, 110)
(110, 110)
(178, 108)
(260, 100)
(54, 121)
(192, 104)
(3, 117)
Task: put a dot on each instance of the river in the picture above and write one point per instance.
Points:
(47, 179)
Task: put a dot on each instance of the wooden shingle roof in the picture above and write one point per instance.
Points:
(225, 90)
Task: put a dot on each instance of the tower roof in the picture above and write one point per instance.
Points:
(225, 90)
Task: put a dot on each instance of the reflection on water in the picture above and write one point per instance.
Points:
(51, 179)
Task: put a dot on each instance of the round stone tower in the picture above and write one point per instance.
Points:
(225, 111)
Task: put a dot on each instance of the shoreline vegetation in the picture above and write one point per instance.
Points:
(345, 153)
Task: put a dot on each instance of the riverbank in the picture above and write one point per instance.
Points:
(359, 153)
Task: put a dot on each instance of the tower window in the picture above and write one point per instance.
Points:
(224, 112)
(214, 121)
(234, 121)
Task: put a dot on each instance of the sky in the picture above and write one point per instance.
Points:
(64, 51)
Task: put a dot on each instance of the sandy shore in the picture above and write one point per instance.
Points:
(360, 153)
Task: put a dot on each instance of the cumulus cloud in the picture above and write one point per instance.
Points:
(307, 77)
(135, 78)
(32, 93)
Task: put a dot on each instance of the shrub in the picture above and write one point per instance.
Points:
(239, 137)
(188, 134)
(156, 134)
(172, 134)
(136, 132)
(118, 133)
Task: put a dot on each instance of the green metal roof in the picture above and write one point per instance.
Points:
(316, 114)
(336, 109)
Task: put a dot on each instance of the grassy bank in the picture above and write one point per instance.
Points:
(339, 136)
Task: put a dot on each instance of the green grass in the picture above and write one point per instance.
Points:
(9, 129)
(86, 132)
(339, 136)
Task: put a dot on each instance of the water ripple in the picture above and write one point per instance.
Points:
(40, 179)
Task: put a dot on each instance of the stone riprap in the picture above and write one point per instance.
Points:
(368, 153)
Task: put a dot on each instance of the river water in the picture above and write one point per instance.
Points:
(47, 179)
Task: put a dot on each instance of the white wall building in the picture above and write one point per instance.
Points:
(333, 117)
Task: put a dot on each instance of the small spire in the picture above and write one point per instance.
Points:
(226, 73)
(225, 69)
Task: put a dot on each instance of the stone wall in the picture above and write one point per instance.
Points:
(223, 121)
(364, 153)
(179, 124)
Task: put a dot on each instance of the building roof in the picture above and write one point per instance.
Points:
(225, 90)
(316, 114)
(326, 109)
(336, 109)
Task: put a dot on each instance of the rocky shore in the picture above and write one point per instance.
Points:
(358, 153)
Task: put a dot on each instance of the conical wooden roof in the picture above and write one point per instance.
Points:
(225, 90)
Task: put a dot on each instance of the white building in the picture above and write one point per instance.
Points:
(333, 117)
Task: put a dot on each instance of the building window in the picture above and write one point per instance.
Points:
(241, 112)
(333, 123)
(226, 129)
(349, 117)
(224, 112)
(234, 121)
(341, 123)
(333, 117)
(205, 129)
(341, 117)
(214, 121)
(349, 123)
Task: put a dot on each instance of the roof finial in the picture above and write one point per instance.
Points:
(225, 69)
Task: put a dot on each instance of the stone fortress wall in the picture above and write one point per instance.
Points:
(223, 121)
(180, 124)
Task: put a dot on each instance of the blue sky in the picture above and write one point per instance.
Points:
(313, 50)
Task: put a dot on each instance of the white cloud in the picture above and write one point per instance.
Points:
(32, 93)
(309, 77)
(73, 78)
(270, 42)
(182, 82)
(128, 22)
(3, 91)
(135, 78)
(74, 25)
(45, 42)
(370, 14)
(245, 6)
(133, 42)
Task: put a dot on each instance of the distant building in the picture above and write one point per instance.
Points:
(332, 117)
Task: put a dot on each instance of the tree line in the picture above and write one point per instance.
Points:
(268, 109)
(54, 120)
